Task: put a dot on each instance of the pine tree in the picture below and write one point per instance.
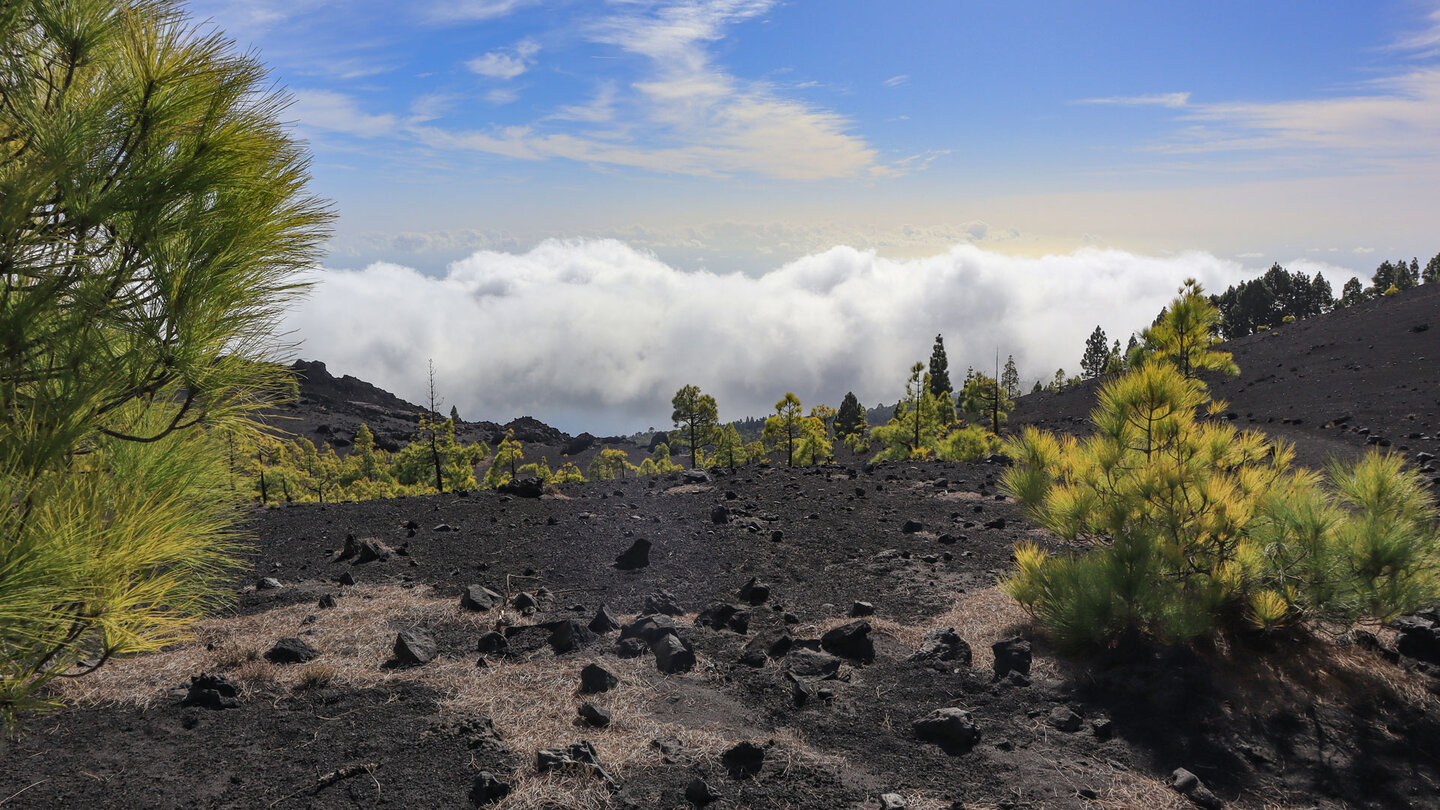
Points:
(1097, 355)
(697, 413)
(1432, 270)
(455, 416)
(154, 218)
(1187, 331)
(507, 461)
(850, 419)
(729, 449)
(1351, 294)
(1010, 378)
(1037, 388)
(939, 369)
(985, 402)
(784, 428)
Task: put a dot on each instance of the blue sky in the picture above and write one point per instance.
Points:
(738, 136)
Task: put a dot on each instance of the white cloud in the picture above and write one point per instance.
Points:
(338, 112)
(1426, 41)
(896, 81)
(595, 335)
(1173, 100)
(505, 65)
(501, 95)
(475, 10)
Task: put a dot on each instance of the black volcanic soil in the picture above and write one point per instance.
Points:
(1265, 723)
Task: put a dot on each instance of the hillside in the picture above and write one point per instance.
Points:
(1333, 385)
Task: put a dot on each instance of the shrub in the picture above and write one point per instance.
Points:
(1196, 528)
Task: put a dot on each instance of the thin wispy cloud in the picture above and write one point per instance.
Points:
(475, 10)
(1172, 100)
(338, 112)
(1424, 42)
(896, 81)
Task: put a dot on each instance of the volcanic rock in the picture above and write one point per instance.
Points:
(524, 487)
(953, 728)
(1011, 655)
(487, 789)
(663, 602)
(1189, 785)
(744, 760)
(603, 622)
(594, 715)
(635, 557)
(211, 692)
(672, 656)
(414, 647)
(755, 592)
(850, 640)
(943, 646)
(479, 597)
(291, 651)
(595, 679)
(699, 792)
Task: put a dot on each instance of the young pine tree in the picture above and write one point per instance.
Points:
(1010, 378)
(696, 414)
(1097, 355)
(850, 418)
(939, 369)
(783, 430)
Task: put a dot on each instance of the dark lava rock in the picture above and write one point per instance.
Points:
(291, 651)
(672, 656)
(649, 628)
(603, 622)
(479, 597)
(1103, 728)
(635, 557)
(1011, 655)
(997, 523)
(1189, 785)
(525, 603)
(759, 650)
(859, 609)
(719, 515)
(1065, 719)
(327, 601)
(716, 616)
(663, 602)
(524, 487)
(268, 584)
(567, 635)
(578, 445)
(954, 729)
(493, 642)
(804, 663)
(594, 715)
(211, 692)
(850, 640)
(911, 526)
(695, 477)
(415, 647)
(346, 578)
(699, 792)
(487, 789)
(372, 550)
(755, 592)
(1419, 639)
(893, 801)
(943, 646)
(595, 679)
(630, 648)
(744, 760)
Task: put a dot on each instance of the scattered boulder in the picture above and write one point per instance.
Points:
(211, 692)
(672, 656)
(493, 642)
(943, 646)
(719, 515)
(525, 603)
(487, 789)
(630, 648)
(911, 526)
(1011, 655)
(744, 760)
(372, 550)
(595, 679)
(1419, 639)
(268, 584)
(649, 628)
(699, 792)
(663, 602)
(524, 487)
(567, 635)
(695, 477)
(479, 598)
(755, 592)
(593, 715)
(603, 622)
(893, 801)
(716, 616)
(859, 609)
(1189, 785)
(760, 649)
(1065, 719)
(954, 729)
(806, 663)
(291, 651)
(414, 647)
(327, 601)
(850, 640)
(635, 557)
(346, 578)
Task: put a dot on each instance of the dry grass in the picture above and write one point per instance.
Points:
(531, 703)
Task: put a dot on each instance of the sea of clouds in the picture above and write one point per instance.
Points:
(597, 335)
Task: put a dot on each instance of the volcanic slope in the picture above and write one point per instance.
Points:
(1364, 376)
(830, 720)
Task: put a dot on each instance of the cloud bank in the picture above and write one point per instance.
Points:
(596, 335)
